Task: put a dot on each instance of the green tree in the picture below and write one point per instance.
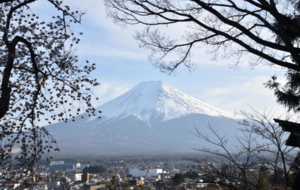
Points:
(113, 184)
(26, 184)
(125, 185)
(278, 177)
(139, 187)
(191, 174)
(178, 179)
(295, 166)
(264, 170)
(263, 181)
(212, 186)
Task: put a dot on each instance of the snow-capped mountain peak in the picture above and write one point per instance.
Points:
(151, 117)
(156, 99)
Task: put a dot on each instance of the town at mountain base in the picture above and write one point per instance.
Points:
(153, 117)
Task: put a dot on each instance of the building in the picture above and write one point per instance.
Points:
(85, 177)
(64, 179)
(75, 177)
(294, 129)
(53, 185)
(40, 187)
(9, 185)
(93, 186)
(140, 173)
(77, 165)
(52, 163)
(202, 183)
(61, 167)
(137, 173)
(154, 172)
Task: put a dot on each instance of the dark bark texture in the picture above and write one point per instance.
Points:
(41, 79)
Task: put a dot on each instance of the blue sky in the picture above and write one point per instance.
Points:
(121, 65)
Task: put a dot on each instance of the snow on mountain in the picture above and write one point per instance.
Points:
(151, 117)
(150, 100)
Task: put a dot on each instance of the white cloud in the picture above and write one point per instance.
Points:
(109, 90)
(120, 43)
(216, 92)
(243, 96)
(90, 49)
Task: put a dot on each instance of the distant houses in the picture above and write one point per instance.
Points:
(136, 175)
(149, 173)
(60, 165)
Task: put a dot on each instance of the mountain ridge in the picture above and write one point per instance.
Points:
(156, 99)
(151, 117)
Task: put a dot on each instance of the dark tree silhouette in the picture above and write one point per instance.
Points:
(268, 30)
(296, 164)
(41, 79)
(191, 174)
(178, 179)
(262, 144)
(94, 169)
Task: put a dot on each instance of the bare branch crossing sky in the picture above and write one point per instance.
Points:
(121, 65)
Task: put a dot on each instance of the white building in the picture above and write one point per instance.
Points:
(154, 172)
(78, 177)
(75, 177)
(53, 163)
(40, 187)
(77, 165)
(175, 171)
(140, 173)
(137, 173)
(10, 186)
(43, 174)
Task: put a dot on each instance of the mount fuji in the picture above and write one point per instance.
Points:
(151, 117)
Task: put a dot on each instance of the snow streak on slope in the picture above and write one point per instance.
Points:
(150, 118)
(150, 100)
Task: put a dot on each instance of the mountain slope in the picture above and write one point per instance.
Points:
(150, 100)
(151, 117)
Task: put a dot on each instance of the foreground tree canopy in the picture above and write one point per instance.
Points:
(41, 79)
(268, 30)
